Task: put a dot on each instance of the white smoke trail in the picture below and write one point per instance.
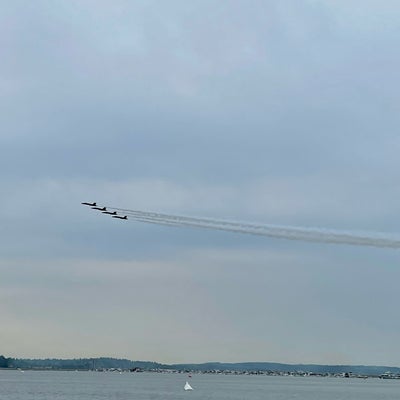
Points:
(268, 230)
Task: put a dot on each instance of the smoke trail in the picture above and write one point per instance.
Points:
(268, 230)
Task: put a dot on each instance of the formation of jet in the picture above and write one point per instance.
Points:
(104, 210)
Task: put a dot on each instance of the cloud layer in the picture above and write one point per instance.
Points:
(274, 112)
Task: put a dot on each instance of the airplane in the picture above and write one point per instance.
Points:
(109, 212)
(90, 204)
(117, 216)
(99, 208)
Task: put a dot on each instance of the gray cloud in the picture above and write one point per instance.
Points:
(272, 112)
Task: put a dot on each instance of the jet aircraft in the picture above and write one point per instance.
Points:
(117, 216)
(109, 212)
(99, 208)
(90, 204)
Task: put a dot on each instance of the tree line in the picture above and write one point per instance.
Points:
(79, 363)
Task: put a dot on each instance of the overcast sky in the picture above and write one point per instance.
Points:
(283, 112)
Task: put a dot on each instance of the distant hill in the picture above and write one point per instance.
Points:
(107, 363)
(80, 363)
(268, 366)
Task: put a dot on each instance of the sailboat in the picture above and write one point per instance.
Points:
(187, 386)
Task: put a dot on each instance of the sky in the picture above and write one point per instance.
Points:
(277, 112)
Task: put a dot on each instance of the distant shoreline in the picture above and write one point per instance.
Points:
(108, 364)
(217, 372)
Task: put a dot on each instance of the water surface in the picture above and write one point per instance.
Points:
(53, 385)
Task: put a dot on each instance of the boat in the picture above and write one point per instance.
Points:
(187, 386)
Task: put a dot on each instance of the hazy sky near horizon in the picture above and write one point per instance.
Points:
(283, 112)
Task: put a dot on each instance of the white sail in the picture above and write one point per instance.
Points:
(187, 386)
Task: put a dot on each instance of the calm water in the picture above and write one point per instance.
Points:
(32, 385)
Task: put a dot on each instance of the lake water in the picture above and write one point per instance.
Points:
(43, 385)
